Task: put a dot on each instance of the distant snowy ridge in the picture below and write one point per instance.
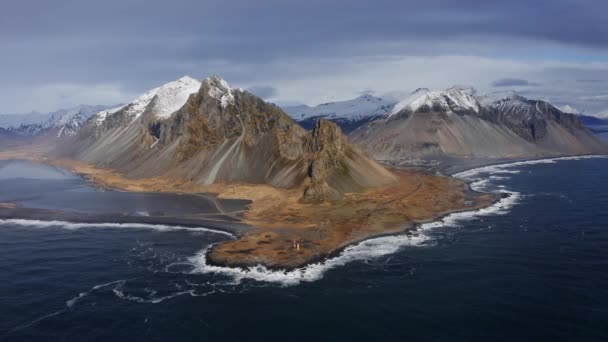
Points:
(464, 99)
(455, 99)
(355, 109)
(64, 122)
(16, 120)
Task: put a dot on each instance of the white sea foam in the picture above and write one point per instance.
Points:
(81, 295)
(74, 226)
(365, 250)
(500, 168)
(151, 299)
(118, 288)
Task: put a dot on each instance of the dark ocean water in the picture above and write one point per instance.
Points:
(533, 268)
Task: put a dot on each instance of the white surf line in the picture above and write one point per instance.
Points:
(499, 168)
(81, 295)
(118, 291)
(73, 226)
(365, 250)
(381, 246)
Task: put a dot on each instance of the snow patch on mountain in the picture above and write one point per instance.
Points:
(569, 109)
(220, 89)
(99, 117)
(135, 108)
(16, 120)
(356, 109)
(500, 96)
(509, 102)
(172, 96)
(457, 98)
(160, 101)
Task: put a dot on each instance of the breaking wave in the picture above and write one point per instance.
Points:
(75, 226)
(501, 168)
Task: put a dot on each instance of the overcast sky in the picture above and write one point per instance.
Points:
(62, 53)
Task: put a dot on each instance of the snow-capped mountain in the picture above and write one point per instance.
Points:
(160, 102)
(347, 114)
(457, 123)
(220, 90)
(62, 123)
(457, 99)
(16, 120)
(509, 102)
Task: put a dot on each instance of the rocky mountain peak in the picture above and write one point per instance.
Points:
(171, 96)
(220, 135)
(219, 89)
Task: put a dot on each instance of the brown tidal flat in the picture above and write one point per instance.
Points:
(289, 233)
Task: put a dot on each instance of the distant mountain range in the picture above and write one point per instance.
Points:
(211, 132)
(347, 114)
(16, 120)
(598, 126)
(62, 123)
(457, 123)
(589, 120)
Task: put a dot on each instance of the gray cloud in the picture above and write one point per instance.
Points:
(595, 98)
(134, 47)
(513, 82)
(265, 92)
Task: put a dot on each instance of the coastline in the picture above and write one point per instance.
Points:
(405, 228)
(411, 227)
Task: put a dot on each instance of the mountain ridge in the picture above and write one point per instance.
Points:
(61, 123)
(459, 123)
(224, 134)
(348, 114)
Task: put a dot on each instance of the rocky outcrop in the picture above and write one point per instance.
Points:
(337, 167)
(225, 135)
(326, 146)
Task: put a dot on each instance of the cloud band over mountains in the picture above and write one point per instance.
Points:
(63, 57)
